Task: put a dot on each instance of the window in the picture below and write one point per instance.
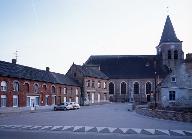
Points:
(3, 86)
(88, 83)
(104, 85)
(16, 86)
(44, 88)
(53, 90)
(172, 95)
(37, 101)
(169, 54)
(26, 87)
(3, 101)
(46, 100)
(111, 88)
(65, 90)
(175, 54)
(36, 88)
(99, 84)
(173, 79)
(75, 74)
(76, 91)
(28, 101)
(93, 84)
(136, 88)
(148, 88)
(123, 88)
(15, 101)
(60, 90)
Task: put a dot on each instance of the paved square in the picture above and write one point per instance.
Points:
(107, 115)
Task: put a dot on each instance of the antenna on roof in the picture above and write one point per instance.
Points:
(16, 55)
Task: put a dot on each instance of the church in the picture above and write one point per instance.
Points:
(134, 78)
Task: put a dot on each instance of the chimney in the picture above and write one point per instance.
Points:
(188, 57)
(47, 69)
(14, 61)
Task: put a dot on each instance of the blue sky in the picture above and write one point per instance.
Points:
(56, 33)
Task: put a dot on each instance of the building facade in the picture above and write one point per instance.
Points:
(94, 83)
(176, 88)
(23, 86)
(135, 77)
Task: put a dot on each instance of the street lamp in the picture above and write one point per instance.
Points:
(155, 92)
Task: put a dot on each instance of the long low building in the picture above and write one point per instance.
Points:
(25, 86)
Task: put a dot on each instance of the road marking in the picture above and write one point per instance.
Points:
(56, 127)
(46, 127)
(36, 127)
(138, 130)
(104, 130)
(179, 132)
(164, 131)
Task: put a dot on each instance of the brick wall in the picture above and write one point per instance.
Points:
(44, 89)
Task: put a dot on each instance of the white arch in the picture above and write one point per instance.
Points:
(54, 87)
(26, 82)
(3, 86)
(125, 86)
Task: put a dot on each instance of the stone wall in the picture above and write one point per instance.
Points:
(167, 115)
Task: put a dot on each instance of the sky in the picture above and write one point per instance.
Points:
(56, 33)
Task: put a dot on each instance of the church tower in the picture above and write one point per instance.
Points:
(169, 49)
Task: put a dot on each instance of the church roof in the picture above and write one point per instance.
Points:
(91, 72)
(23, 72)
(127, 66)
(168, 34)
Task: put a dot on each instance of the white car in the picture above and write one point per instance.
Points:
(75, 105)
(63, 106)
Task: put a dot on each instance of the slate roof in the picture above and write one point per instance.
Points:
(91, 72)
(127, 66)
(168, 34)
(183, 75)
(29, 73)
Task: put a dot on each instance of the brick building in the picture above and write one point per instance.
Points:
(25, 86)
(93, 82)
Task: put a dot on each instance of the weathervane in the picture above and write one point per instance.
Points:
(167, 9)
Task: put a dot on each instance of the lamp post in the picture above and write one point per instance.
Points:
(155, 92)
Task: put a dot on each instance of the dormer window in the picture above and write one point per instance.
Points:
(173, 79)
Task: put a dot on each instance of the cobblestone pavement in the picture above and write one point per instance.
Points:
(113, 115)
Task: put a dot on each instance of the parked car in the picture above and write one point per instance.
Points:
(75, 105)
(63, 106)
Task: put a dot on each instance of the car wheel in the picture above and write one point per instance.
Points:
(65, 109)
(55, 109)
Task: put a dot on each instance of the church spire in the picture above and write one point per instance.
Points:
(168, 34)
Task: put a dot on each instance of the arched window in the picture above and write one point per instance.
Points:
(111, 88)
(123, 88)
(148, 88)
(136, 88)
(36, 88)
(16, 86)
(26, 87)
(175, 54)
(53, 90)
(44, 88)
(3, 86)
(169, 54)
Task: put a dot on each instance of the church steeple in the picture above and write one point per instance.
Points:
(168, 34)
(169, 49)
